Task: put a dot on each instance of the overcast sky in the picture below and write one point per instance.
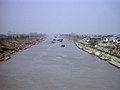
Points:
(60, 16)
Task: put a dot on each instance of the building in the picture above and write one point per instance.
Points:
(94, 41)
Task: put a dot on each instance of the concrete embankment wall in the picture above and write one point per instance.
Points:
(111, 59)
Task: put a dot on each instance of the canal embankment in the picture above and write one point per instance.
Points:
(101, 54)
(10, 46)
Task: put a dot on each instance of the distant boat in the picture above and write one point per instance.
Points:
(52, 42)
(62, 45)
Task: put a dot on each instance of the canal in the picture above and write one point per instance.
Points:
(48, 66)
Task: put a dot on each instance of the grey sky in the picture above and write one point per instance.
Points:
(60, 16)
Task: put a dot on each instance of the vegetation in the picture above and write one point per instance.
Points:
(20, 36)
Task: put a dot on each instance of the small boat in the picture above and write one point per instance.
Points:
(52, 42)
(62, 45)
(54, 39)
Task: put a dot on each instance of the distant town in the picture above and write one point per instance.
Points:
(107, 43)
(106, 47)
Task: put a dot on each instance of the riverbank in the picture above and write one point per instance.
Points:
(8, 47)
(102, 55)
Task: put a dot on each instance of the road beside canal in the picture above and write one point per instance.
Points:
(48, 66)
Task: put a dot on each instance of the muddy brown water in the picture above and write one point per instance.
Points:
(48, 66)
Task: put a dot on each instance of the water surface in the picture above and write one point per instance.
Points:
(49, 66)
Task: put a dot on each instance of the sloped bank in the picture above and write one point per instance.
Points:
(111, 59)
(8, 47)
